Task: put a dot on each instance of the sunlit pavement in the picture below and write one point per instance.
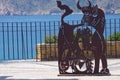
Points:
(48, 70)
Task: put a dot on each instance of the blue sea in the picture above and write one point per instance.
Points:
(48, 18)
(22, 47)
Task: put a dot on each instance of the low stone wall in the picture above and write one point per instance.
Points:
(50, 51)
(46, 52)
(113, 49)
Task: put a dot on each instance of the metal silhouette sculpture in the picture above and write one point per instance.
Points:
(72, 55)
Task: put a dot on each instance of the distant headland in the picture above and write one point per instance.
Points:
(41, 7)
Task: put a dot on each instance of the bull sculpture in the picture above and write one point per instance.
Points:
(71, 56)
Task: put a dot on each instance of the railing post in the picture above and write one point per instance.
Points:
(3, 41)
(115, 38)
(8, 40)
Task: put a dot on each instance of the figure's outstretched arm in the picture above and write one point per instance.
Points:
(77, 25)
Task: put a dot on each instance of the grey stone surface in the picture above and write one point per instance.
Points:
(48, 70)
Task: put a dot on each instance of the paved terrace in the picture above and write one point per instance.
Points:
(48, 70)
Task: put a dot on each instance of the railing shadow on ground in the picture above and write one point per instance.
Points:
(5, 78)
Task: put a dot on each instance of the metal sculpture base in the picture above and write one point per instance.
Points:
(84, 74)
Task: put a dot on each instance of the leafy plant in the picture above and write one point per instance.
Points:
(51, 39)
(114, 37)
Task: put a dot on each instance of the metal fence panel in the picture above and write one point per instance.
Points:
(19, 40)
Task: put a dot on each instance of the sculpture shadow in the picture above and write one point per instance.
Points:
(5, 77)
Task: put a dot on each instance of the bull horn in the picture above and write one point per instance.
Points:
(89, 3)
(78, 5)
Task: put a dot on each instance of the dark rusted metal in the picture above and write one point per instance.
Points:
(74, 55)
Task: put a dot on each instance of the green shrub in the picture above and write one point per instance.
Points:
(114, 37)
(51, 39)
(81, 37)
